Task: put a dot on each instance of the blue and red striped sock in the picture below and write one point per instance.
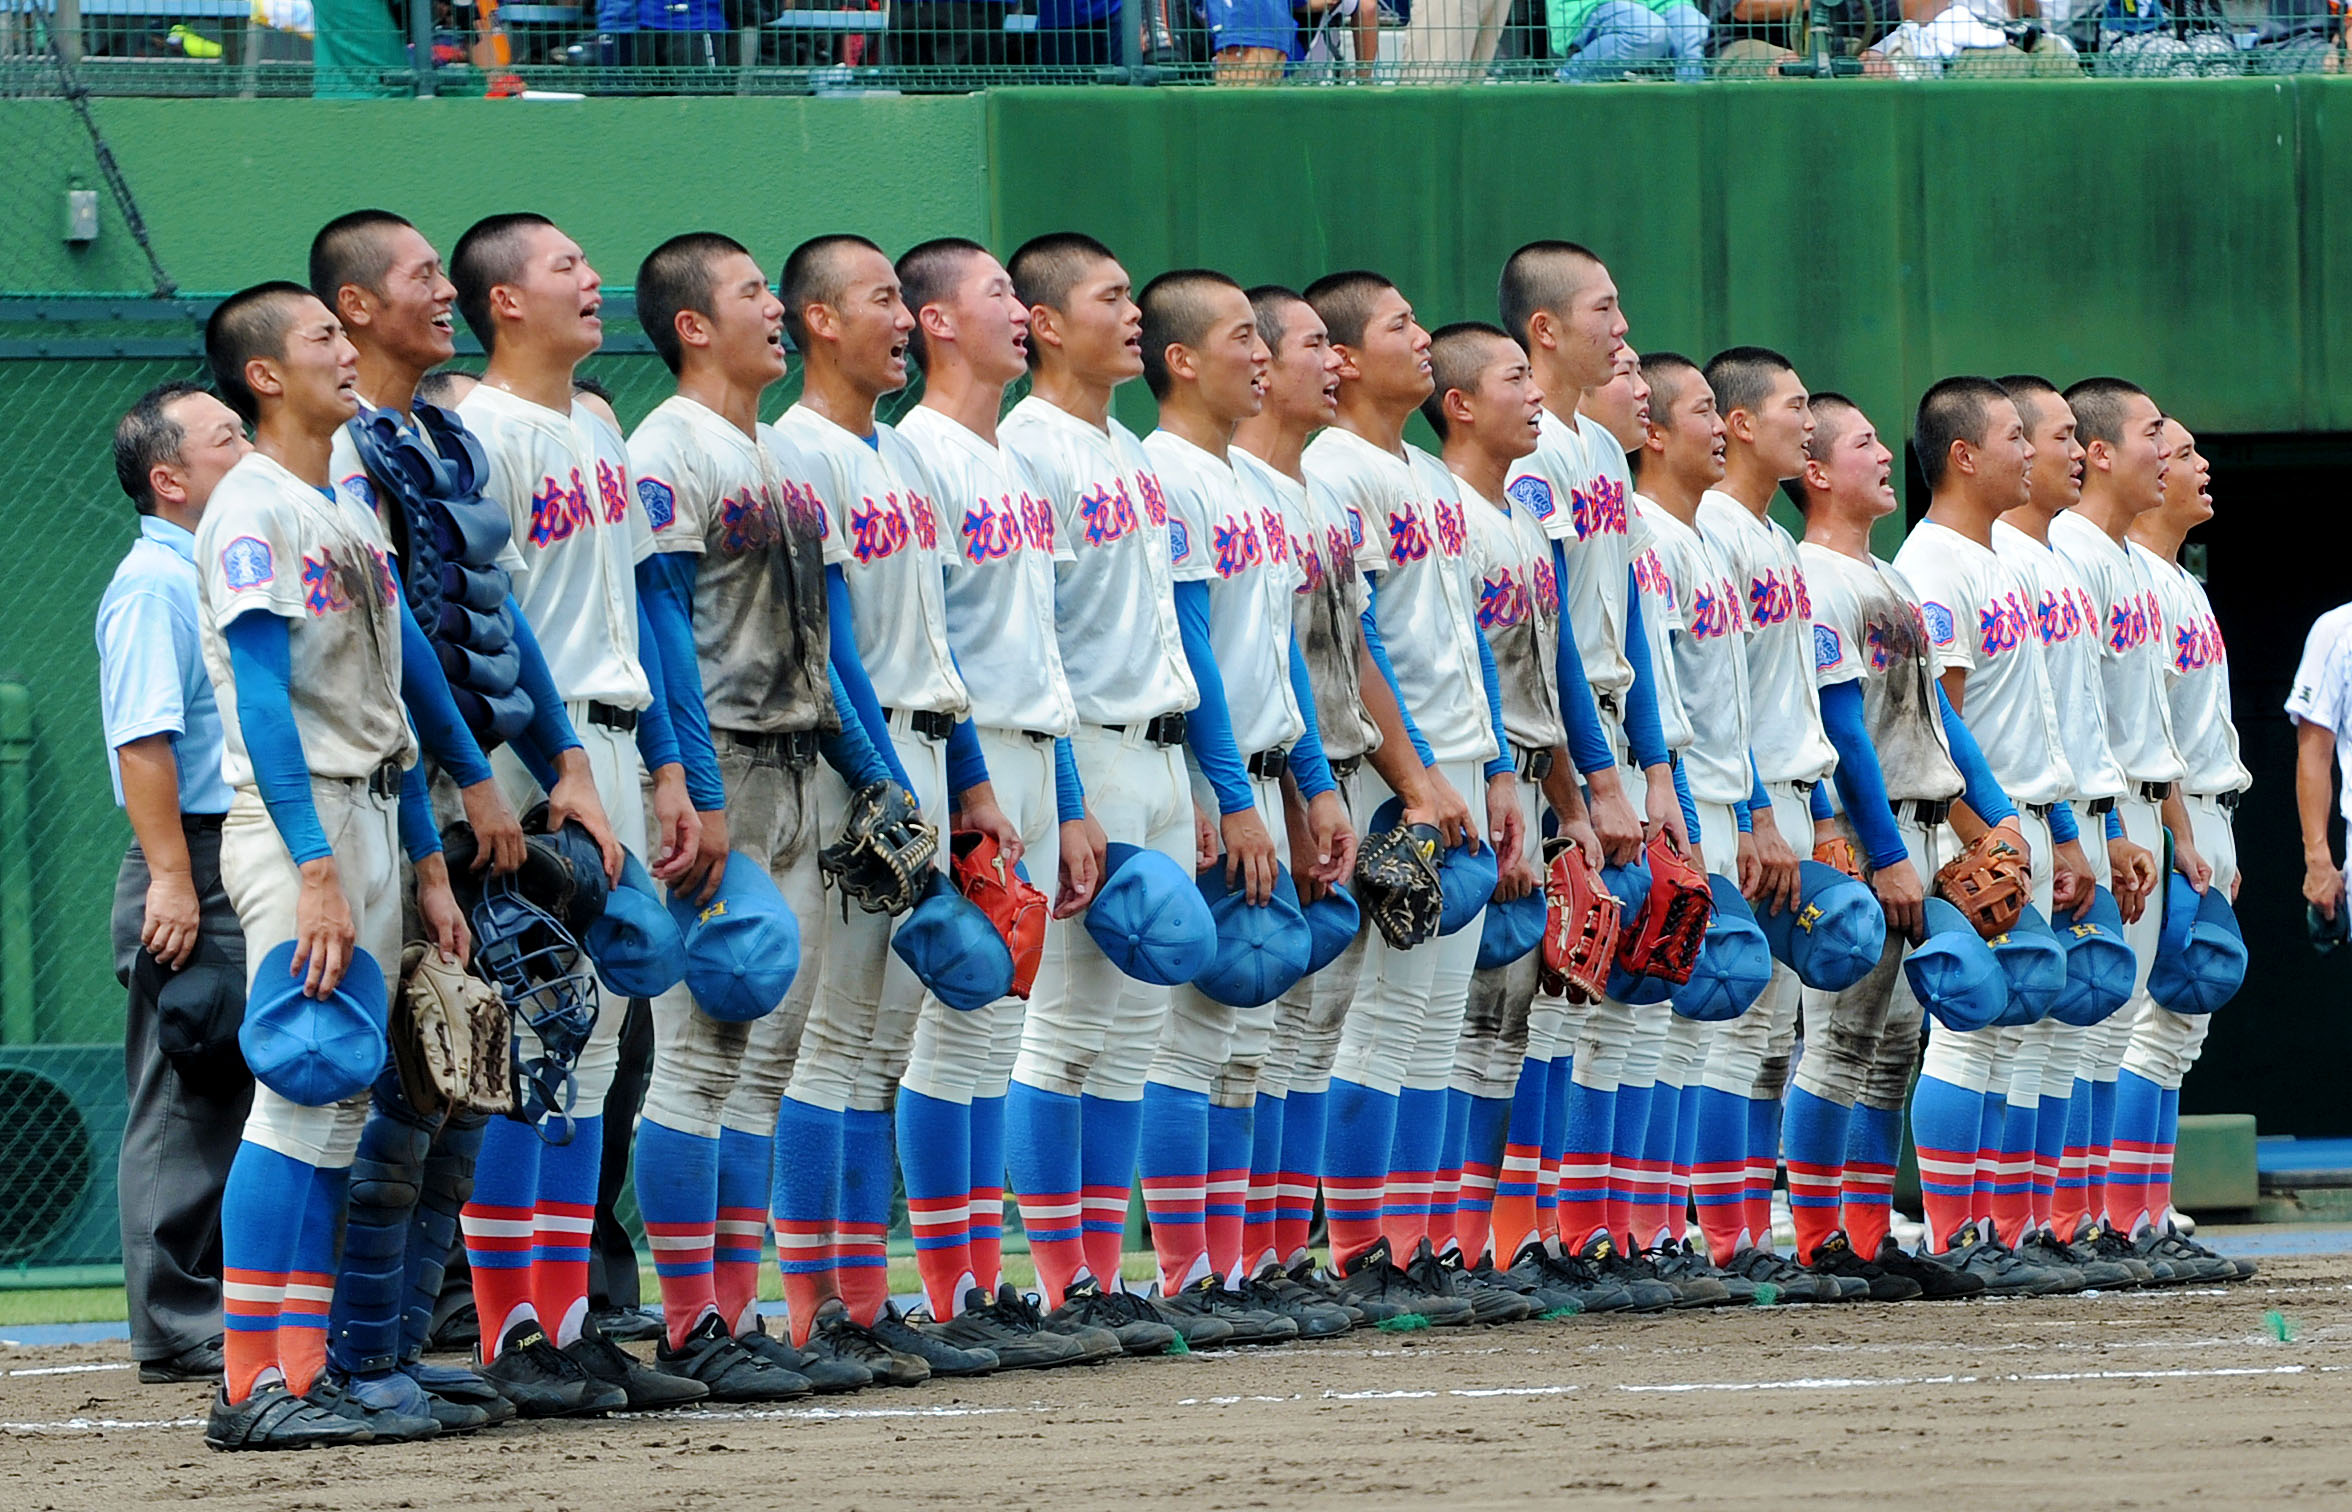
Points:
(261, 1228)
(2139, 1130)
(501, 1227)
(806, 1205)
(1584, 1165)
(565, 1218)
(1946, 1121)
(1042, 1154)
(986, 1211)
(1445, 1188)
(1555, 1146)
(935, 1155)
(1988, 1159)
(1268, 1121)
(1519, 1217)
(1866, 1196)
(1174, 1161)
(1686, 1151)
(1231, 1133)
(1719, 1171)
(746, 1186)
(1412, 1168)
(862, 1238)
(1763, 1166)
(2070, 1197)
(1108, 1148)
(1816, 1132)
(310, 1285)
(1482, 1163)
(2049, 1151)
(1357, 1141)
(2102, 1151)
(677, 1180)
(2013, 1171)
(2160, 1168)
(1626, 1145)
(1654, 1193)
(1305, 1123)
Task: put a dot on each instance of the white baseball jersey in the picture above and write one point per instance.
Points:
(1575, 481)
(2323, 696)
(1002, 546)
(1114, 599)
(1327, 605)
(1415, 534)
(2318, 645)
(2131, 649)
(1867, 627)
(1661, 610)
(353, 484)
(1975, 611)
(2066, 623)
(1519, 612)
(1710, 659)
(563, 480)
(874, 490)
(270, 542)
(739, 503)
(1784, 708)
(2196, 676)
(1227, 531)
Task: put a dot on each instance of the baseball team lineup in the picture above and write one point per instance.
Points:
(1515, 856)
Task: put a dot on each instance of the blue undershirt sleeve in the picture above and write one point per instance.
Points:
(1588, 744)
(1208, 729)
(665, 596)
(1069, 792)
(440, 730)
(550, 731)
(1817, 802)
(261, 657)
(1860, 782)
(1982, 793)
(2063, 829)
(1502, 761)
(1741, 817)
(1643, 734)
(418, 837)
(1370, 619)
(851, 673)
(966, 767)
(2114, 825)
(1758, 797)
(1307, 764)
(657, 742)
(850, 750)
(1690, 809)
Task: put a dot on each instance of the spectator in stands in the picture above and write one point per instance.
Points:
(1250, 40)
(1606, 39)
(177, 945)
(960, 34)
(662, 33)
(1078, 32)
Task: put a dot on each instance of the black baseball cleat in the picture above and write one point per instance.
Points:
(833, 1332)
(896, 1332)
(198, 1362)
(1252, 1324)
(457, 1386)
(1566, 1277)
(1614, 1266)
(2106, 1244)
(1014, 1335)
(394, 1408)
(1135, 1323)
(1198, 1328)
(275, 1418)
(648, 1390)
(1936, 1283)
(1445, 1275)
(1834, 1256)
(2244, 1268)
(725, 1369)
(1095, 1345)
(1308, 1278)
(1683, 1266)
(542, 1381)
(2005, 1275)
(1274, 1290)
(630, 1325)
(1373, 1282)
(827, 1373)
(1779, 1279)
(2191, 1264)
(2042, 1247)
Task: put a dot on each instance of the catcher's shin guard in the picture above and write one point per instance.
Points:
(448, 1182)
(364, 1323)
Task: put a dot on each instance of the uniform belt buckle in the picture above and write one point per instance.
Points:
(931, 724)
(1269, 764)
(1346, 767)
(1535, 766)
(1167, 730)
(384, 781)
(2228, 802)
(2154, 792)
(612, 717)
(1931, 812)
(2101, 806)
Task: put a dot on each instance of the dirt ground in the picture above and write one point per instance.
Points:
(2181, 1398)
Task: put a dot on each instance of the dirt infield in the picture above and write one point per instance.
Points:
(2144, 1400)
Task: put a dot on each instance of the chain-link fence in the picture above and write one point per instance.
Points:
(564, 47)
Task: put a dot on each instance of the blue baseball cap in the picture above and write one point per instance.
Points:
(1332, 922)
(315, 1051)
(1835, 934)
(1150, 919)
(2099, 964)
(1630, 886)
(2034, 961)
(954, 949)
(1734, 965)
(638, 948)
(742, 947)
(1513, 927)
(1261, 951)
(1466, 873)
(1953, 973)
(2201, 955)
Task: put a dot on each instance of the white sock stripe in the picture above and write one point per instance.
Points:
(247, 1291)
(560, 1223)
(1042, 1213)
(670, 1243)
(497, 1228)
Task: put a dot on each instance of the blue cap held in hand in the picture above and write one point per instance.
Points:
(315, 1051)
(1834, 935)
(1149, 919)
(1261, 950)
(742, 947)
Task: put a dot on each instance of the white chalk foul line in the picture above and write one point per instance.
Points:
(1850, 1383)
(100, 1425)
(813, 1414)
(49, 1370)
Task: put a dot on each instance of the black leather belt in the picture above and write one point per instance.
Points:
(1346, 768)
(1269, 764)
(1607, 704)
(384, 781)
(202, 821)
(792, 748)
(1535, 766)
(1804, 789)
(1167, 730)
(1039, 737)
(2155, 792)
(928, 723)
(612, 716)
(2226, 802)
(2041, 811)
(2100, 806)
(1928, 812)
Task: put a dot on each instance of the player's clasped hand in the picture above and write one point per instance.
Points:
(1903, 897)
(1249, 855)
(324, 934)
(1081, 871)
(495, 826)
(677, 828)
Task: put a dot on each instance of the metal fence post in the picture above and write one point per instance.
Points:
(1131, 40)
(19, 1021)
(68, 29)
(420, 45)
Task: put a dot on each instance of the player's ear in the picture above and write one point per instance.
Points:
(1543, 330)
(351, 306)
(692, 328)
(1349, 369)
(935, 323)
(1962, 458)
(261, 376)
(1179, 359)
(1456, 406)
(506, 302)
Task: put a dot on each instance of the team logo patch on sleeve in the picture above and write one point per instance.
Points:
(1532, 491)
(246, 563)
(1940, 626)
(1829, 648)
(1179, 541)
(359, 490)
(661, 505)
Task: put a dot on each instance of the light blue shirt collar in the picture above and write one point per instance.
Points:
(164, 533)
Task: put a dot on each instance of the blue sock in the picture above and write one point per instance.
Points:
(935, 1156)
(567, 1222)
(2049, 1146)
(1412, 1167)
(261, 1226)
(1482, 1166)
(988, 1184)
(1232, 1132)
(862, 1253)
(1555, 1144)
(1042, 1154)
(500, 1223)
(2072, 1195)
(1625, 1156)
(1946, 1121)
(1445, 1192)
(746, 1187)
(1874, 1141)
(1988, 1154)
(1305, 1125)
(1816, 1135)
(677, 1178)
(2102, 1145)
(1356, 1148)
(2012, 1208)
(1585, 1163)
(806, 1203)
(1719, 1170)
(2139, 1125)
(1112, 1134)
(1268, 1121)
(1174, 1159)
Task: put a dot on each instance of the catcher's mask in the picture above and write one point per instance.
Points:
(537, 965)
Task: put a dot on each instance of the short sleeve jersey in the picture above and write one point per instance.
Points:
(739, 503)
(2324, 698)
(1114, 597)
(1784, 708)
(2066, 624)
(351, 480)
(1868, 628)
(1661, 611)
(563, 479)
(1576, 483)
(1416, 538)
(1327, 604)
(1710, 659)
(2304, 699)
(1226, 530)
(271, 543)
(1001, 542)
(2196, 676)
(2131, 638)
(1974, 607)
(1519, 613)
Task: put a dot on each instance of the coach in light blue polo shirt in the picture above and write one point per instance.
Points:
(176, 941)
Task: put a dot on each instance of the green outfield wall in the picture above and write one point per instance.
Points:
(2190, 234)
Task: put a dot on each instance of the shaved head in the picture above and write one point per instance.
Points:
(816, 273)
(2101, 406)
(1046, 268)
(1669, 374)
(1743, 377)
(1177, 310)
(1458, 354)
(248, 324)
(1543, 275)
(492, 252)
(1345, 301)
(353, 249)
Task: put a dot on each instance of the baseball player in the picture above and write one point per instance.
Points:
(889, 643)
(971, 336)
(2057, 1231)
(1903, 757)
(1235, 576)
(303, 632)
(1397, 1048)
(2125, 467)
(1302, 395)
(1766, 421)
(752, 546)
(2318, 717)
(1073, 1115)
(530, 296)
(2165, 1044)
